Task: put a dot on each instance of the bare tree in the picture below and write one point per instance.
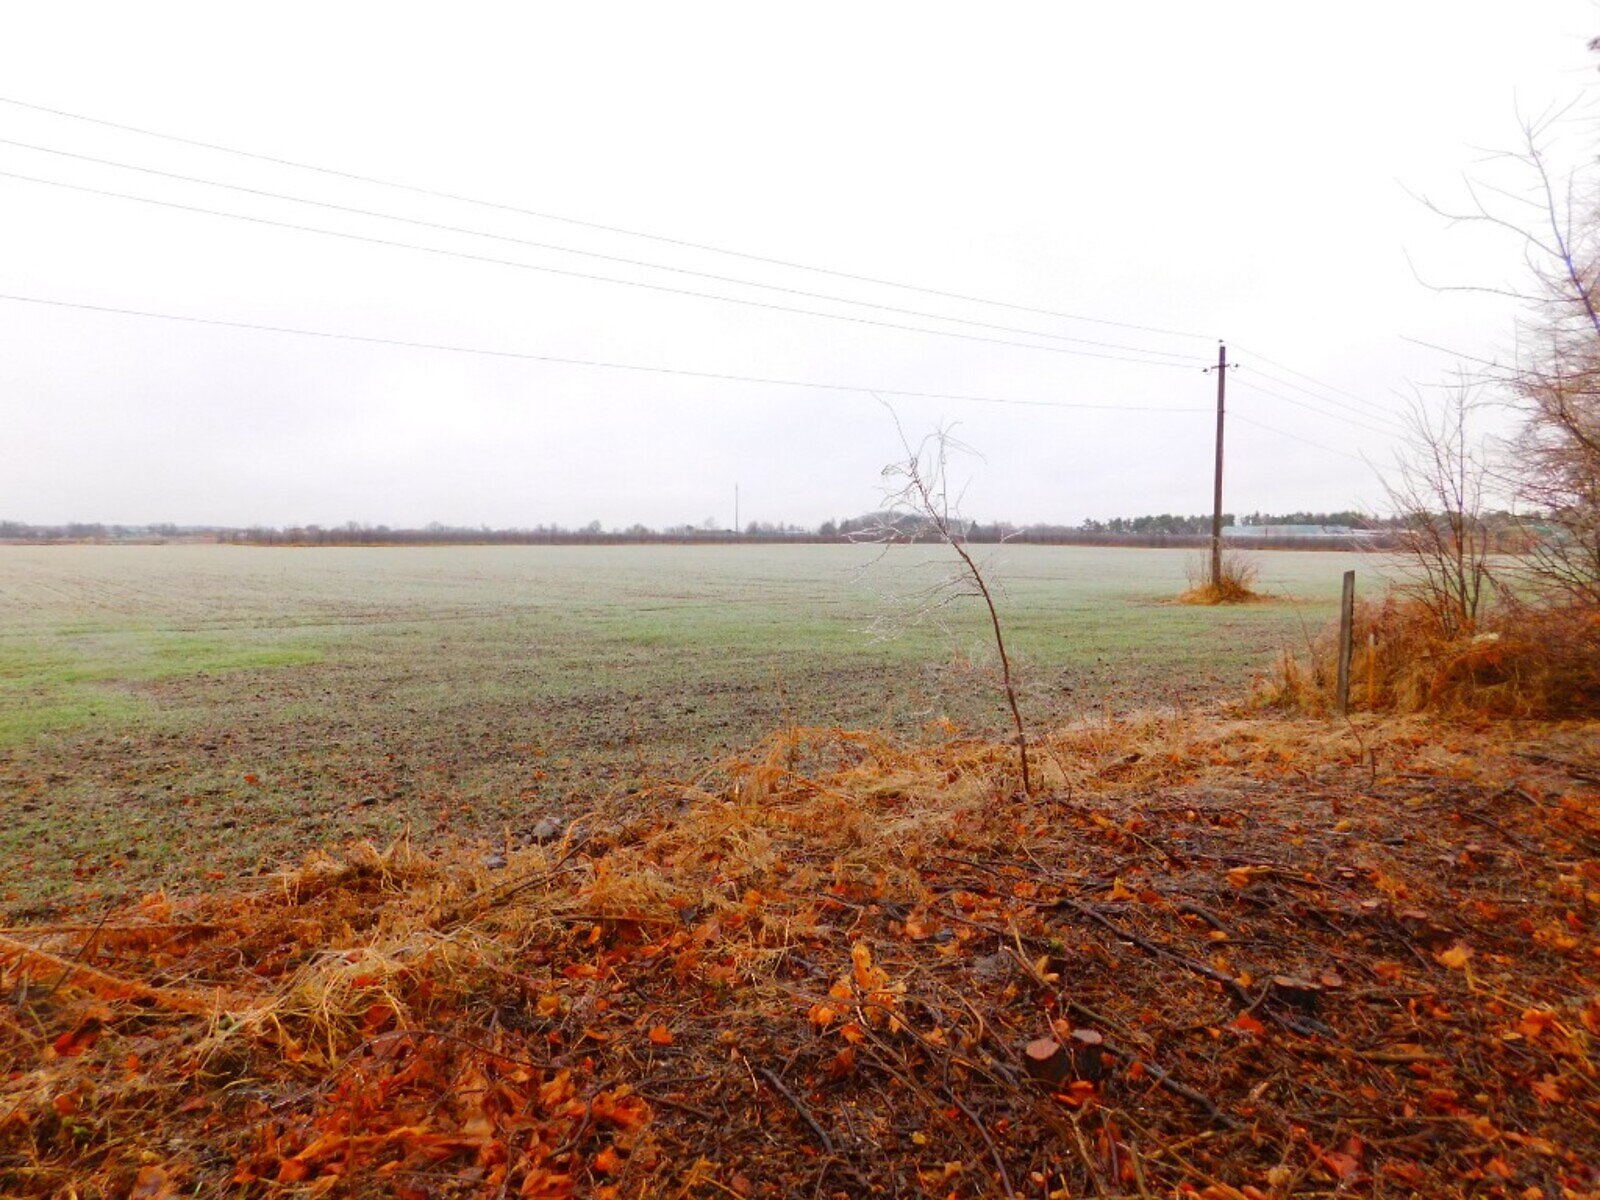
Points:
(1558, 474)
(1438, 489)
(1553, 465)
(917, 505)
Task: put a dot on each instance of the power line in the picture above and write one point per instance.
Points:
(1368, 408)
(1391, 432)
(1482, 362)
(562, 271)
(1296, 437)
(596, 225)
(614, 258)
(585, 362)
(682, 372)
(1327, 387)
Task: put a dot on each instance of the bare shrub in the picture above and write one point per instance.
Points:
(1235, 584)
(1438, 488)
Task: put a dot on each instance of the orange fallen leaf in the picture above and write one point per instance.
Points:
(82, 1036)
(620, 1108)
(1455, 958)
(660, 1035)
(293, 1170)
(1342, 1165)
(1549, 1090)
(1077, 1093)
(1247, 1024)
(1536, 1022)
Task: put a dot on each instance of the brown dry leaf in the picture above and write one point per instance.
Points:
(868, 977)
(822, 1014)
(1536, 1022)
(919, 925)
(153, 1183)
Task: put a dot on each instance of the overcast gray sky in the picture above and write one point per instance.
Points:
(1218, 170)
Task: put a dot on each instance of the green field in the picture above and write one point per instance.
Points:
(172, 711)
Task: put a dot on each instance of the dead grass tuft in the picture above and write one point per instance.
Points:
(1519, 662)
(1234, 585)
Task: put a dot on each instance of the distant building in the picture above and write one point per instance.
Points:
(1246, 532)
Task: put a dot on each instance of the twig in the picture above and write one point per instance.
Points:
(794, 1102)
(1177, 1088)
(1199, 968)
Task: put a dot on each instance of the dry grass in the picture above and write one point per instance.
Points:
(1235, 583)
(814, 969)
(1520, 661)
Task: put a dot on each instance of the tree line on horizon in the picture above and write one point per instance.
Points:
(860, 528)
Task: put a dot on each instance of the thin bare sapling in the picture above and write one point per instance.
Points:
(918, 506)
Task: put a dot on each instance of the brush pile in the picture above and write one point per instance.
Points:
(1209, 958)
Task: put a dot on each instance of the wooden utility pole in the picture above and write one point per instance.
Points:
(1216, 491)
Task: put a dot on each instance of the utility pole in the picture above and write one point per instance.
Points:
(1216, 493)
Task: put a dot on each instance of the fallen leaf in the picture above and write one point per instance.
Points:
(1243, 877)
(1342, 1165)
(1549, 1090)
(152, 1183)
(1536, 1022)
(1247, 1024)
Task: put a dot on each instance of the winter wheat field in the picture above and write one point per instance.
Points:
(185, 715)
